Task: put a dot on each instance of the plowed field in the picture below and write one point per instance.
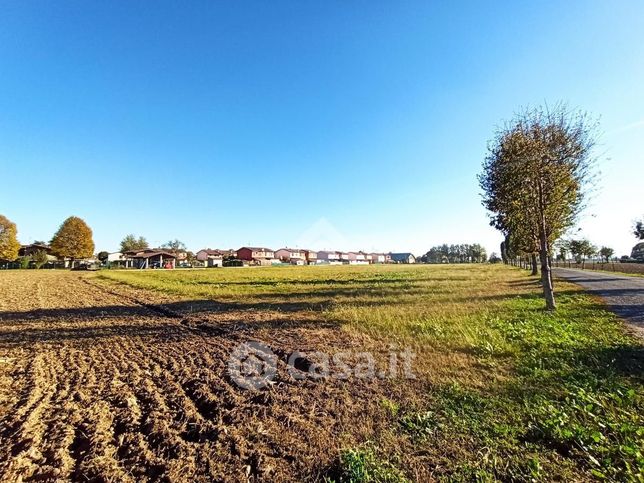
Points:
(126, 376)
(96, 385)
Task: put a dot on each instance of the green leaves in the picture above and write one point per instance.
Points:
(534, 177)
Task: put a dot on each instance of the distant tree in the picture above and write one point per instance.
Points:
(40, 242)
(588, 250)
(581, 250)
(131, 243)
(606, 253)
(504, 252)
(24, 261)
(73, 240)
(463, 253)
(40, 258)
(174, 246)
(103, 256)
(563, 246)
(638, 229)
(494, 258)
(534, 177)
(576, 249)
(9, 244)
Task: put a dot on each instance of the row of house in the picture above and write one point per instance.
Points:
(244, 256)
(298, 256)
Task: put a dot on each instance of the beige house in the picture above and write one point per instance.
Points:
(311, 257)
(294, 256)
(357, 258)
(211, 258)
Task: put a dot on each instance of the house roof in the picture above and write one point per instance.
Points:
(142, 250)
(36, 245)
(257, 249)
(213, 252)
(401, 256)
(150, 254)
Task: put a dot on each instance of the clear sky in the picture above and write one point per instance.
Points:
(280, 123)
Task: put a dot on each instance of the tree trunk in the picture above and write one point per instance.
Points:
(535, 267)
(546, 275)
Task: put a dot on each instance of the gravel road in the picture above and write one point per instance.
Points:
(623, 294)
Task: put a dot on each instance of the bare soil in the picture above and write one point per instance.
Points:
(104, 382)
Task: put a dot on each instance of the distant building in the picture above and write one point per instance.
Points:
(147, 258)
(357, 258)
(32, 249)
(638, 252)
(256, 255)
(402, 258)
(310, 256)
(211, 258)
(294, 256)
(329, 257)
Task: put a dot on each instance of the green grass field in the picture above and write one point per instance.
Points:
(510, 392)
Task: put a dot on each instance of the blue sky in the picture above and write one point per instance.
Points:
(280, 123)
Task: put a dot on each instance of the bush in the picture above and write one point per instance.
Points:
(24, 262)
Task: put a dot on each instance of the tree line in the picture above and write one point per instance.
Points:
(72, 241)
(461, 253)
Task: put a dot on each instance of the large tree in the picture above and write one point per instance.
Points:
(534, 177)
(9, 244)
(73, 240)
(131, 243)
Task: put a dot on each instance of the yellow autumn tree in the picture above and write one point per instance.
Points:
(9, 244)
(73, 239)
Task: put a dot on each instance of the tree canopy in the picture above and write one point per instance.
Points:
(462, 253)
(638, 229)
(175, 246)
(606, 253)
(131, 243)
(581, 249)
(40, 258)
(73, 239)
(534, 179)
(9, 244)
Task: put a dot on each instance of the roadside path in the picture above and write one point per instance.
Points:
(624, 295)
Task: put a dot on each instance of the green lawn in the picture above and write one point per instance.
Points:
(512, 392)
